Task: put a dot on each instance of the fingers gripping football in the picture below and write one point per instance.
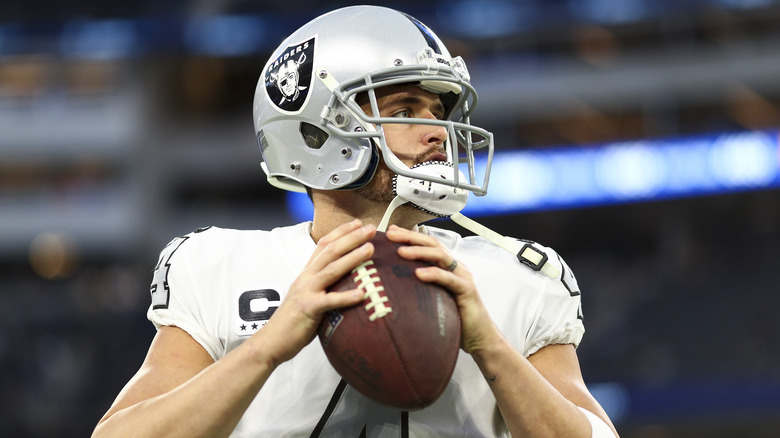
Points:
(477, 328)
(444, 267)
(337, 253)
(296, 320)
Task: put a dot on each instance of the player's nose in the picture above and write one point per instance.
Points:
(433, 135)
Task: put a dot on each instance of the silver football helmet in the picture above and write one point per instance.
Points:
(312, 132)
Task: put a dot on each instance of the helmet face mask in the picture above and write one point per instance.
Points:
(312, 130)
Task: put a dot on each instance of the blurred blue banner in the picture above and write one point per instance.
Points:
(559, 178)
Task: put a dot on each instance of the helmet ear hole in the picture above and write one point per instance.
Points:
(313, 136)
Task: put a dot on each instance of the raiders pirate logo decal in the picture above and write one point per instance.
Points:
(288, 78)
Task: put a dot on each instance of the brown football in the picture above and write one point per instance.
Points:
(399, 346)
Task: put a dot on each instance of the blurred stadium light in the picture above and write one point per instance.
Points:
(646, 170)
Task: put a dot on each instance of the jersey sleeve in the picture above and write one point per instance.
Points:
(178, 299)
(558, 319)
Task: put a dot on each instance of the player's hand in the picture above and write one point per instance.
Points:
(294, 324)
(477, 328)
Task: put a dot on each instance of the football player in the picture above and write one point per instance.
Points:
(377, 130)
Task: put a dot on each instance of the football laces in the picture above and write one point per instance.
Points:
(367, 279)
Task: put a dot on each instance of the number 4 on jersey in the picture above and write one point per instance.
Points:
(160, 290)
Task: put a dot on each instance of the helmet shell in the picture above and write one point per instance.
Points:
(310, 130)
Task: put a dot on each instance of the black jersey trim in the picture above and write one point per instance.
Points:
(334, 400)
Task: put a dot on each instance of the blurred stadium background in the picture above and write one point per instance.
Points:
(637, 137)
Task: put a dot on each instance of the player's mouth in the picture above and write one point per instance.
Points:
(436, 156)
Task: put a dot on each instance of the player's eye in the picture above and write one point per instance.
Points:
(403, 113)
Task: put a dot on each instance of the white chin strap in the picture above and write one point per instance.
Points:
(397, 202)
(438, 199)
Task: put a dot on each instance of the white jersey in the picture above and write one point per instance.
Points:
(221, 286)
